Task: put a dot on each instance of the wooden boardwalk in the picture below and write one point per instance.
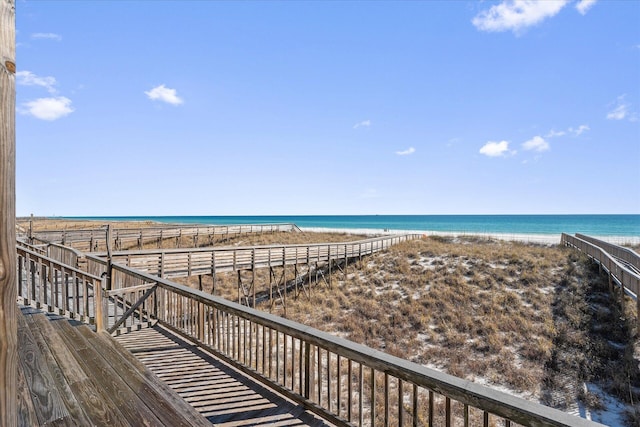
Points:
(69, 375)
(220, 393)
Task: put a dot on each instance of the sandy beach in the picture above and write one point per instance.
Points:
(547, 239)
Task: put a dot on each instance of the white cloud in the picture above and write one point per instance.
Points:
(364, 123)
(583, 6)
(164, 94)
(537, 143)
(27, 78)
(406, 152)
(622, 110)
(553, 133)
(572, 131)
(580, 130)
(618, 113)
(495, 149)
(516, 15)
(48, 36)
(48, 108)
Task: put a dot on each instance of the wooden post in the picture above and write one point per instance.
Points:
(109, 265)
(8, 291)
(100, 309)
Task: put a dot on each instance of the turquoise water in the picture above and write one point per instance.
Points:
(599, 225)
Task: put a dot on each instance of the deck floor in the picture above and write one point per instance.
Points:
(219, 392)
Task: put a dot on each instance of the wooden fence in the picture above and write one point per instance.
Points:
(627, 255)
(618, 272)
(170, 263)
(90, 240)
(56, 287)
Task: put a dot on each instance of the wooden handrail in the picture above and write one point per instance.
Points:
(94, 236)
(198, 261)
(44, 281)
(626, 254)
(626, 278)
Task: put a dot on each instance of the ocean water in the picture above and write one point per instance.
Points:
(597, 225)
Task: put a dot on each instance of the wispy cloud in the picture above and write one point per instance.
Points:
(570, 131)
(496, 149)
(164, 94)
(621, 110)
(27, 78)
(517, 15)
(537, 143)
(554, 133)
(406, 152)
(583, 6)
(364, 123)
(47, 36)
(579, 130)
(47, 108)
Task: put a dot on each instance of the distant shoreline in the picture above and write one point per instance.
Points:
(548, 239)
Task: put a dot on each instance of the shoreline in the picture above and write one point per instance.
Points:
(548, 239)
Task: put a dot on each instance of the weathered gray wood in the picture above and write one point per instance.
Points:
(115, 388)
(8, 328)
(77, 415)
(102, 411)
(158, 400)
(26, 412)
(46, 399)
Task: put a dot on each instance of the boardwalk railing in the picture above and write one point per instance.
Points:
(57, 287)
(64, 254)
(346, 383)
(628, 255)
(169, 263)
(90, 240)
(618, 272)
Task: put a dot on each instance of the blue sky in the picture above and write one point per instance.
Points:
(259, 108)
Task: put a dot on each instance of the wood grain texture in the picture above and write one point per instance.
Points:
(111, 384)
(8, 292)
(46, 399)
(59, 376)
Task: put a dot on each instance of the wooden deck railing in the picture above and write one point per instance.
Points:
(628, 255)
(346, 383)
(54, 286)
(64, 254)
(618, 272)
(170, 263)
(90, 240)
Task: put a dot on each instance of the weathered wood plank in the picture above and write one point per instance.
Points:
(101, 411)
(47, 402)
(111, 385)
(162, 401)
(26, 412)
(77, 415)
(8, 291)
